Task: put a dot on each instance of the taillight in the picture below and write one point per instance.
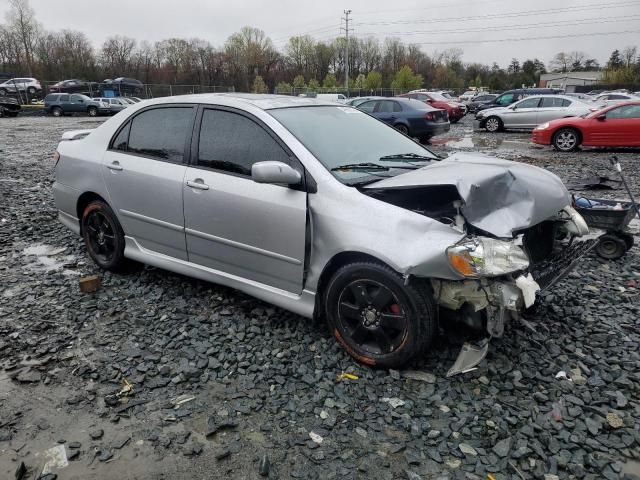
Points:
(429, 116)
(56, 159)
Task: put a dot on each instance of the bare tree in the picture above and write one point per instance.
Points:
(22, 22)
(629, 56)
(116, 55)
(560, 62)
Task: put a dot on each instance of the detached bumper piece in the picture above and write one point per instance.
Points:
(555, 267)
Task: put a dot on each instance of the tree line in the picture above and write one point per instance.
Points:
(249, 61)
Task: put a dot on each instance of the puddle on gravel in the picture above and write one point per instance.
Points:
(49, 259)
(471, 141)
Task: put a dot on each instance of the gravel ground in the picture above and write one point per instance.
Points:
(225, 386)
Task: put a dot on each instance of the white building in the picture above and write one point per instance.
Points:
(569, 80)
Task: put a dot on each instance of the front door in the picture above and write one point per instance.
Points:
(521, 114)
(144, 172)
(233, 224)
(614, 130)
(77, 104)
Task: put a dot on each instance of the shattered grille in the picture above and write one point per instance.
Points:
(552, 269)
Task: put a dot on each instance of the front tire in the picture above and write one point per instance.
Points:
(493, 124)
(103, 236)
(31, 91)
(3, 92)
(92, 111)
(378, 319)
(566, 140)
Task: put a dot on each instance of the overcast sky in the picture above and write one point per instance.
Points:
(435, 24)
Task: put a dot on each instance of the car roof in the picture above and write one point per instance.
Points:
(258, 100)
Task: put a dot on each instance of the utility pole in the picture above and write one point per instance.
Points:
(346, 29)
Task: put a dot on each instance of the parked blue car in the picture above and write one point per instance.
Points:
(412, 117)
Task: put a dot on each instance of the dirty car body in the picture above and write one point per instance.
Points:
(370, 232)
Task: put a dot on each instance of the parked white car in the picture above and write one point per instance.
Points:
(613, 98)
(28, 85)
(532, 111)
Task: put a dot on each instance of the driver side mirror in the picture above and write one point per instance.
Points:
(513, 107)
(602, 117)
(275, 172)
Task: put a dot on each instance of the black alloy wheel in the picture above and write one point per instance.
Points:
(371, 315)
(103, 236)
(378, 319)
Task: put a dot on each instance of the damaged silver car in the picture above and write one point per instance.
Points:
(322, 210)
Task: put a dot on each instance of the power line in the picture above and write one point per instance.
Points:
(506, 15)
(517, 27)
(550, 37)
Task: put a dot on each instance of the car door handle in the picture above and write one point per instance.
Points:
(198, 183)
(115, 165)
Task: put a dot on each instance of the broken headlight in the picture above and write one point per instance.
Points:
(486, 257)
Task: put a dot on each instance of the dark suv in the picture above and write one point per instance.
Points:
(58, 104)
(512, 96)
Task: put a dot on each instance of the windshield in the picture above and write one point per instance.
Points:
(340, 136)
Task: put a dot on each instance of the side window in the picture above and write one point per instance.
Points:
(233, 143)
(122, 139)
(367, 106)
(506, 99)
(617, 97)
(565, 102)
(529, 103)
(627, 111)
(161, 133)
(385, 106)
(75, 98)
(551, 102)
(64, 98)
(397, 107)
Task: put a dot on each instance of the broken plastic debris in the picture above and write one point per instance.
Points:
(55, 458)
(182, 399)
(316, 438)
(394, 402)
(529, 288)
(471, 354)
(347, 376)
(562, 375)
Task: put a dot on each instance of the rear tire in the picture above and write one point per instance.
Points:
(56, 112)
(454, 120)
(3, 92)
(103, 236)
(31, 90)
(402, 128)
(493, 124)
(376, 318)
(92, 111)
(566, 140)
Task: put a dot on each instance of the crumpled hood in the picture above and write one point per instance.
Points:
(500, 197)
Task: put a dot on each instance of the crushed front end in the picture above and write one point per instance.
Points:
(503, 277)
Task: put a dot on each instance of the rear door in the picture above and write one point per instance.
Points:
(552, 108)
(521, 114)
(144, 171)
(234, 225)
(387, 111)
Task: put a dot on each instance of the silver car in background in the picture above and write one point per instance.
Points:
(369, 232)
(530, 112)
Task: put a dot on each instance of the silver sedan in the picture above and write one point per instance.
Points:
(322, 210)
(531, 111)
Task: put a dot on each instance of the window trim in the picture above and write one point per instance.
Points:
(187, 150)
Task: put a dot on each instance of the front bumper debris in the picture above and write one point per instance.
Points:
(469, 357)
(500, 299)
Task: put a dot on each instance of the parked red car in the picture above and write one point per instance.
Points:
(614, 126)
(455, 110)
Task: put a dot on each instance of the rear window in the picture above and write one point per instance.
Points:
(63, 98)
(51, 97)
